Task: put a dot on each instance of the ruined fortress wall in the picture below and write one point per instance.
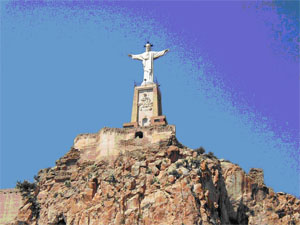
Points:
(110, 142)
(10, 202)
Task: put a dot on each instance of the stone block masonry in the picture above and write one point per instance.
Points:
(10, 202)
(110, 142)
(146, 107)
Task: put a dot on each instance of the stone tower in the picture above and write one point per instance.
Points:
(146, 107)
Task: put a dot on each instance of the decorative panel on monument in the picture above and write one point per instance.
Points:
(145, 107)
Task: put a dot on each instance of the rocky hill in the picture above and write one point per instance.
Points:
(145, 176)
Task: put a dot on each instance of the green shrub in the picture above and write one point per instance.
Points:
(68, 183)
(140, 216)
(175, 174)
(155, 180)
(27, 190)
(112, 179)
(36, 179)
(211, 155)
(196, 162)
(199, 150)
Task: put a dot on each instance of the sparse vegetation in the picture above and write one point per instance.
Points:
(27, 191)
(155, 180)
(199, 150)
(175, 174)
(196, 162)
(25, 188)
(148, 171)
(68, 183)
(36, 179)
(111, 179)
(211, 155)
(140, 216)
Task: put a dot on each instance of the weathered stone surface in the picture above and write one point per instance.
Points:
(156, 181)
(10, 202)
(108, 143)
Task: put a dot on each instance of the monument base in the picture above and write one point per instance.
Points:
(159, 120)
(155, 121)
(146, 107)
(130, 125)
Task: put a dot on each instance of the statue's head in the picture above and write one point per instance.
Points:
(148, 46)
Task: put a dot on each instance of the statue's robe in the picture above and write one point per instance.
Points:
(147, 59)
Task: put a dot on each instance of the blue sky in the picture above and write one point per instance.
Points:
(230, 82)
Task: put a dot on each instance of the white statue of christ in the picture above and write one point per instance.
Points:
(147, 58)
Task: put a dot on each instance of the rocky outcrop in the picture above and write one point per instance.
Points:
(160, 182)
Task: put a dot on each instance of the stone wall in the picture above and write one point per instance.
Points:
(110, 142)
(10, 202)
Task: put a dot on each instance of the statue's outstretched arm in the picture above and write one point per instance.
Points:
(160, 53)
(138, 57)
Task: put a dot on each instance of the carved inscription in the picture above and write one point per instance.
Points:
(146, 103)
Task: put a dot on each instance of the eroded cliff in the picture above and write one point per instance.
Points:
(150, 178)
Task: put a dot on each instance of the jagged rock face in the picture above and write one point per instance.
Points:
(161, 183)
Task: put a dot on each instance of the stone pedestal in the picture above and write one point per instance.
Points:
(146, 107)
